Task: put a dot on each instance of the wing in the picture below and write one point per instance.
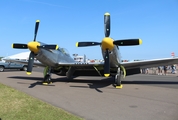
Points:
(83, 65)
(150, 63)
(74, 64)
(133, 66)
(129, 65)
(81, 68)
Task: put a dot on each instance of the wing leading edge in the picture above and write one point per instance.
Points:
(150, 63)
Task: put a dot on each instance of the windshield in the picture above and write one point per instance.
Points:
(64, 51)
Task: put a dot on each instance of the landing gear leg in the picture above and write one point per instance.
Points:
(70, 72)
(47, 76)
(118, 78)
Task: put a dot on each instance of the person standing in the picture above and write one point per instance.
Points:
(159, 70)
(172, 68)
(165, 70)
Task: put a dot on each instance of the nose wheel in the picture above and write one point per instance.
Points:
(47, 76)
(118, 79)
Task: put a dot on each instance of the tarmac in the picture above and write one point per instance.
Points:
(143, 96)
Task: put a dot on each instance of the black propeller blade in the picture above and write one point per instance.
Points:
(30, 63)
(107, 24)
(19, 46)
(32, 54)
(36, 29)
(107, 34)
(106, 64)
(127, 42)
(85, 44)
(53, 47)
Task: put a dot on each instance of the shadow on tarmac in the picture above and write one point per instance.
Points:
(92, 84)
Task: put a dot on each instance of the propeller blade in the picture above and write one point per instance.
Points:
(107, 24)
(85, 44)
(36, 29)
(30, 63)
(53, 47)
(19, 46)
(128, 42)
(106, 64)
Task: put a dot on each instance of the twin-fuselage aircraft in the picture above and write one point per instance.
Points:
(58, 61)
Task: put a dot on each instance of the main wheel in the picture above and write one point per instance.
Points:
(1, 68)
(118, 80)
(24, 68)
(47, 79)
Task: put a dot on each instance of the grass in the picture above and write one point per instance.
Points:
(16, 105)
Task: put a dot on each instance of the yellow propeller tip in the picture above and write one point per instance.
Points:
(57, 47)
(106, 75)
(106, 13)
(140, 41)
(28, 73)
(12, 45)
(37, 20)
(76, 44)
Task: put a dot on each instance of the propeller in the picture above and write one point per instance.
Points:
(19, 46)
(107, 24)
(107, 44)
(30, 62)
(54, 47)
(106, 64)
(36, 29)
(33, 46)
(84, 44)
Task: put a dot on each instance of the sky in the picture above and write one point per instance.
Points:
(65, 22)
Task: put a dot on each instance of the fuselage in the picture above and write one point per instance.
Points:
(114, 56)
(53, 57)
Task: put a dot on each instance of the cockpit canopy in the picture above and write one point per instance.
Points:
(64, 50)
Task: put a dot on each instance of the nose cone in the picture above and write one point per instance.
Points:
(33, 46)
(107, 43)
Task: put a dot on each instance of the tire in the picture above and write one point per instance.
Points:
(47, 79)
(24, 68)
(1, 68)
(118, 80)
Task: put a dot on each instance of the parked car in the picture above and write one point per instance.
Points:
(10, 65)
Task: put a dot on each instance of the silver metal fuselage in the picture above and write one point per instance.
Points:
(114, 56)
(53, 57)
